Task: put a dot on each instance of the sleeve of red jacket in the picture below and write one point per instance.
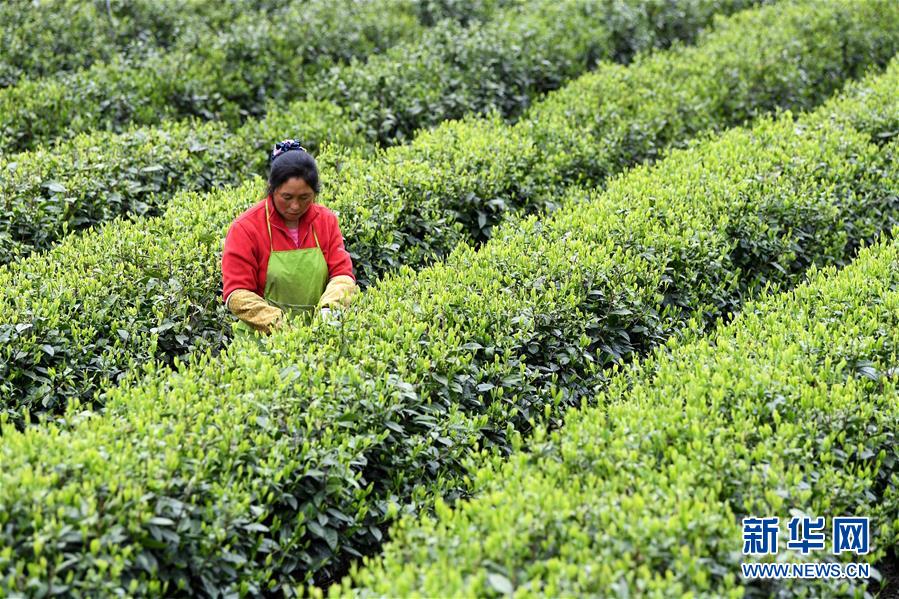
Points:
(338, 259)
(239, 265)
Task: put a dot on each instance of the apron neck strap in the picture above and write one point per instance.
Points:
(268, 223)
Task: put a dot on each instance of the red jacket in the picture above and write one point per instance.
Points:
(247, 248)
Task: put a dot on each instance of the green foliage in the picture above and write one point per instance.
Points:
(96, 177)
(40, 39)
(431, 12)
(270, 464)
(410, 205)
(789, 410)
(455, 183)
(502, 65)
(228, 75)
(27, 184)
(452, 69)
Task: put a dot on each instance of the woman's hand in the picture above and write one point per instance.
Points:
(339, 291)
(255, 311)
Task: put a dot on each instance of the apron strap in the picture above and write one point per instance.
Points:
(316, 236)
(268, 222)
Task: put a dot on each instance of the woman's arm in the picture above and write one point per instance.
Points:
(240, 261)
(240, 264)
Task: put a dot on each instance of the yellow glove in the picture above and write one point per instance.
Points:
(339, 291)
(254, 310)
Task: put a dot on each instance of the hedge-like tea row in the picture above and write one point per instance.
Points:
(39, 40)
(63, 35)
(431, 12)
(253, 469)
(225, 76)
(503, 65)
(791, 409)
(454, 183)
(58, 189)
(96, 177)
(449, 70)
(412, 204)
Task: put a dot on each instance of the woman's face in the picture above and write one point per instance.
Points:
(292, 199)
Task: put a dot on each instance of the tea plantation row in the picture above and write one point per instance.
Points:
(791, 409)
(83, 315)
(522, 49)
(42, 39)
(269, 464)
(61, 188)
(228, 74)
(47, 38)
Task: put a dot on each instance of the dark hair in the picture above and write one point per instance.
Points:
(294, 163)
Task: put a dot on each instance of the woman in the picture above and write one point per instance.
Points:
(285, 255)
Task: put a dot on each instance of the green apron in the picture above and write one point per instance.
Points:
(294, 281)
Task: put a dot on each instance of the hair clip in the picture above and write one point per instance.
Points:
(287, 145)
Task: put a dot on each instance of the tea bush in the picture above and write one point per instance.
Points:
(228, 76)
(61, 188)
(43, 39)
(791, 409)
(451, 69)
(269, 465)
(411, 205)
